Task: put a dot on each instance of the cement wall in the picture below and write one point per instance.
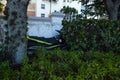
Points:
(45, 27)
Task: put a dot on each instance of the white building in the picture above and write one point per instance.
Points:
(43, 8)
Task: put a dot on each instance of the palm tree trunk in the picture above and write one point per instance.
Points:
(16, 40)
(112, 8)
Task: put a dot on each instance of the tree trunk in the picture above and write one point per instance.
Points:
(119, 13)
(16, 41)
(2, 33)
(50, 6)
(112, 8)
(113, 14)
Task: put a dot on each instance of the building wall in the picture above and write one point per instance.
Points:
(45, 27)
(40, 11)
(31, 7)
(55, 6)
(4, 3)
(34, 8)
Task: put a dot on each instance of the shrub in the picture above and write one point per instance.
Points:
(102, 35)
(77, 65)
(65, 65)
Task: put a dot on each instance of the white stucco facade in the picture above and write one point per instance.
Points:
(35, 6)
(55, 6)
(45, 27)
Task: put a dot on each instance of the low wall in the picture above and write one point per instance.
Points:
(45, 27)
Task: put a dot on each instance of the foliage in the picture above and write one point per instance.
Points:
(102, 35)
(101, 8)
(70, 13)
(68, 10)
(1, 7)
(95, 8)
(65, 65)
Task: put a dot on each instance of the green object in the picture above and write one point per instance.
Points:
(64, 65)
(92, 34)
(53, 46)
(39, 41)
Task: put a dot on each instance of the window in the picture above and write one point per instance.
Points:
(64, 0)
(42, 15)
(42, 6)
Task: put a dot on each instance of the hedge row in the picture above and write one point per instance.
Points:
(65, 65)
(102, 35)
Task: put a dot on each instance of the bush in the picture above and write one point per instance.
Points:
(65, 65)
(102, 35)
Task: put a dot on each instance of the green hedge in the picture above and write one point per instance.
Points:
(102, 35)
(65, 65)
